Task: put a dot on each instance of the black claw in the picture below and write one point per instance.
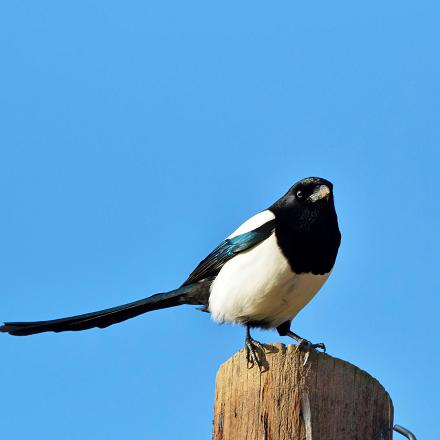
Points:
(320, 345)
(304, 342)
(255, 352)
(250, 356)
(308, 345)
(253, 348)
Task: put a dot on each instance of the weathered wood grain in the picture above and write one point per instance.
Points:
(322, 399)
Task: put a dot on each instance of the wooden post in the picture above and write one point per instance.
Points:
(299, 397)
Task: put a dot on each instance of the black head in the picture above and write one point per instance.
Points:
(307, 202)
(307, 226)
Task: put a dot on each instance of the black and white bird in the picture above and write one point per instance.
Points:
(262, 275)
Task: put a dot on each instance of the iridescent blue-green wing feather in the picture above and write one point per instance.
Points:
(227, 249)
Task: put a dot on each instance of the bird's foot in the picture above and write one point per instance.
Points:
(254, 352)
(304, 343)
(308, 347)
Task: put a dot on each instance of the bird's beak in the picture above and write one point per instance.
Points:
(320, 192)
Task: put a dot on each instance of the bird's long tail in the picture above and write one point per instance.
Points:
(196, 293)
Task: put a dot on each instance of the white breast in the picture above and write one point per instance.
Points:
(258, 285)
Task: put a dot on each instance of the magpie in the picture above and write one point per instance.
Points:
(260, 276)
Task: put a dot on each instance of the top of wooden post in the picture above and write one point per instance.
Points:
(299, 395)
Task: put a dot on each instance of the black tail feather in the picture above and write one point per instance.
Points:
(192, 294)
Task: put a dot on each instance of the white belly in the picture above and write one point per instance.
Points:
(258, 285)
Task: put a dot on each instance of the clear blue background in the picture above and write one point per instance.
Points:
(136, 135)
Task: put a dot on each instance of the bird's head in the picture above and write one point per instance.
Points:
(306, 203)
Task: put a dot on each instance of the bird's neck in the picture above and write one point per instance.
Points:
(312, 249)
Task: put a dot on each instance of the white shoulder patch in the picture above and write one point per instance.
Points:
(254, 222)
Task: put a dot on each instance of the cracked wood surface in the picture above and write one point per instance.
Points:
(300, 397)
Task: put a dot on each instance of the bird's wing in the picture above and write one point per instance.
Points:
(227, 249)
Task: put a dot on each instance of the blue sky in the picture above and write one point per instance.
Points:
(136, 135)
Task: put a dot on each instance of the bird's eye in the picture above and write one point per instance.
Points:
(299, 194)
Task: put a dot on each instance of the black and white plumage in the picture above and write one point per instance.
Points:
(262, 275)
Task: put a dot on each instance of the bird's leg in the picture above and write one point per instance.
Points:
(252, 347)
(304, 342)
